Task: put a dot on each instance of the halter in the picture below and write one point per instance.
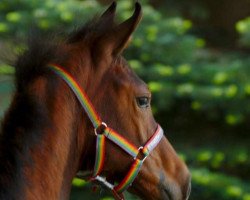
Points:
(103, 132)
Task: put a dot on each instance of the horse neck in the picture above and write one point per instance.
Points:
(40, 150)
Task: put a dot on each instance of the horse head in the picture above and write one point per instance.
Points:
(122, 100)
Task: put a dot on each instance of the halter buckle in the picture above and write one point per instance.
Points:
(141, 155)
(100, 129)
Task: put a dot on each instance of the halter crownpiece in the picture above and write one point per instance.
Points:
(103, 132)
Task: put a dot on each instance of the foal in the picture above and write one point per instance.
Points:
(47, 137)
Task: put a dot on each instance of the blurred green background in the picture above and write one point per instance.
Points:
(194, 55)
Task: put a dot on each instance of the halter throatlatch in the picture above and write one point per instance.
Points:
(103, 132)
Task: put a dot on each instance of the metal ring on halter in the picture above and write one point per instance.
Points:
(145, 155)
(102, 124)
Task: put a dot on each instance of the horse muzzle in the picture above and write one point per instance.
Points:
(174, 191)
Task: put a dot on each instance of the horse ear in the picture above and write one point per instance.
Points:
(110, 12)
(121, 34)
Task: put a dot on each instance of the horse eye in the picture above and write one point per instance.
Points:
(143, 102)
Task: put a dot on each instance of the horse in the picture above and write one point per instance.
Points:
(52, 130)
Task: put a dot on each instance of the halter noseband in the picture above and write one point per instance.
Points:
(108, 133)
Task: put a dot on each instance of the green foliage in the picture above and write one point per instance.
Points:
(216, 186)
(176, 65)
(173, 62)
(17, 17)
(208, 85)
(243, 28)
(6, 69)
(226, 160)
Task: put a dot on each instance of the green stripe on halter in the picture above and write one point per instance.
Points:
(100, 154)
(121, 142)
(80, 94)
(130, 177)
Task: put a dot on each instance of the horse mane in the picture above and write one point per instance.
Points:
(20, 129)
(31, 63)
(42, 49)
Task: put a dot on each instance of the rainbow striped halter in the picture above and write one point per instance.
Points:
(103, 132)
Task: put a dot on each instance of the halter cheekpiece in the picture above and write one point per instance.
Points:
(103, 132)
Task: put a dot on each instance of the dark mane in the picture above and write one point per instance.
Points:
(31, 63)
(20, 132)
(23, 122)
(41, 50)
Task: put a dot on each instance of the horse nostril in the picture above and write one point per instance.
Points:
(171, 190)
(166, 195)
